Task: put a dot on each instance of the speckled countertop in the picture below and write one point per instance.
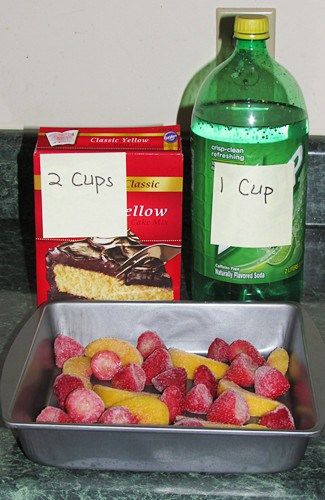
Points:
(22, 479)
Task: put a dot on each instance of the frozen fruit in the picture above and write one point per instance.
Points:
(105, 364)
(84, 406)
(241, 370)
(189, 422)
(246, 347)
(63, 385)
(148, 409)
(296, 368)
(65, 348)
(219, 350)
(229, 408)
(280, 418)
(190, 361)
(198, 399)
(199, 422)
(79, 366)
(205, 376)
(279, 359)
(118, 415)
(219, 425)
(254, 426)
(174, 399)
(148, 342)
(158, 362)
(50, 414)
(269, 382)
(112, 396)
(172, 376)
(257, 405)
(126, 351)
(301, 393)
(305, 416)
(130, 378)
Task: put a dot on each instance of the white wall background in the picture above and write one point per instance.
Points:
(127, 62)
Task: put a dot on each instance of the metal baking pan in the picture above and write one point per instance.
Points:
(29, 371)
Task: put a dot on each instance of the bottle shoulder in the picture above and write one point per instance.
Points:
(251, 77)
(285, 79)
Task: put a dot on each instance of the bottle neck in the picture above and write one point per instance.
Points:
(249, 46)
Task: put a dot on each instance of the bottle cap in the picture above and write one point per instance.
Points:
(252, 27)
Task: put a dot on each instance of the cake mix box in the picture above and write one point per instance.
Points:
(104, 196)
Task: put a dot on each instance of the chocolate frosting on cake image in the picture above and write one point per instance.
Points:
(91, 269)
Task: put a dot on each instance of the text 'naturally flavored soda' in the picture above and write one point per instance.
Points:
(249, 143)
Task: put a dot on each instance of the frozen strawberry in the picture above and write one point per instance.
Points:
(189, 422)
(159, 361)
(130, 377)
(198, 399)
(174, 399)
(229, 408)
(84, 406)
(173, 376)
(205, 376)
(65, 348)
(63, 385)
(270, 383)
(241, 370)
(219, 350)
(246, 347)
(280, 418)
(148, 342)
(105, 364)
(50, 414)
(118, 415)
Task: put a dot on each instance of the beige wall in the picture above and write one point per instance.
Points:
(127, 62)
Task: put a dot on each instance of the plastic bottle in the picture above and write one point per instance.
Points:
(249, 136)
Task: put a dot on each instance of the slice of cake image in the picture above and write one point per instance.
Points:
(91, 269)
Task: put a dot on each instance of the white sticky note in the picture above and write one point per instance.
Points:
(83, 194)
(252, 206)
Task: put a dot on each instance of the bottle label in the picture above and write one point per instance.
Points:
(248, 211)
(252, 206)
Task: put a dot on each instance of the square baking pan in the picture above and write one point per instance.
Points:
(29, 371)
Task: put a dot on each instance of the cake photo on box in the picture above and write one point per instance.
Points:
(91, 269)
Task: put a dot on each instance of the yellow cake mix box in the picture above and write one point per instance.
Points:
(102, 197)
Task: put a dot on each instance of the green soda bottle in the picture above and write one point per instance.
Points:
(249, 137)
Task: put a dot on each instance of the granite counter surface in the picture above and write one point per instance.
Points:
(21, 479)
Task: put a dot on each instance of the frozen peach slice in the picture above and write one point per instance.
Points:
(112, 396)
(257, 405)
(190, 361)
(86, 382)
(217, 425)
(182, 421)
(296, 369)
(126, 351)
(254, 426)
(148, 409)
(78, 366)
(279, 359)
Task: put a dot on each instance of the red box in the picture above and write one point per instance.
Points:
(103, 195)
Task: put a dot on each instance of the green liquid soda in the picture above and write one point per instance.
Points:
(253, 117)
